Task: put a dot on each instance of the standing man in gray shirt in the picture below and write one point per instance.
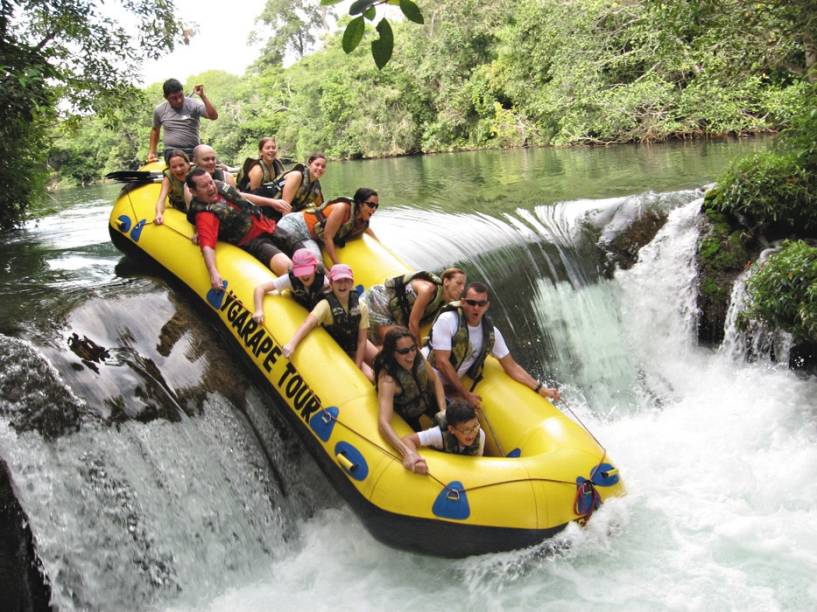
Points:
(180, 117)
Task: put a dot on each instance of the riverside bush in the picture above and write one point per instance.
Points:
(784, 291)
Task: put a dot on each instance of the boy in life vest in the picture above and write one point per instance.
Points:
(458, 432)
(344, 317)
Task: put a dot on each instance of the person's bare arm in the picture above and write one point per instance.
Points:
(307, 326)
(210, 111)
(521, 375)
(450, 376)
(160, 203)
(333, 224)
(385, 400)
(209, 254)
(292, 182)
(152, 144)
(255, 176)
(279, 205)
(425, 291)
(258, 299)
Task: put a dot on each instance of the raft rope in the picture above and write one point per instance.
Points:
(437, 480)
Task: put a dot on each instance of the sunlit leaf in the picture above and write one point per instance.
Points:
(353, 34)
(411, 11)
(383, 46)
(370, 13)
(330, 2)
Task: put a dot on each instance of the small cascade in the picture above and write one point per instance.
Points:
(750, 340)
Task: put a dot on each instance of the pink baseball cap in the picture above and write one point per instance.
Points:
(303, 262)
(340, 271)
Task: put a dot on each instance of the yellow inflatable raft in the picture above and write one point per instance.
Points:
(541, 469)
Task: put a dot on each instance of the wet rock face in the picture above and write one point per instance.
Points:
(23, 585)
(622, 250)
(723, 253)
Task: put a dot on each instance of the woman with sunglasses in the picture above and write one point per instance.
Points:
(331, 225)
(407, 385)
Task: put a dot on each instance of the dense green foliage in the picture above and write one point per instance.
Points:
(776, 192)
(784, 290)
(513, 73)
(71, 53)
(768, 196)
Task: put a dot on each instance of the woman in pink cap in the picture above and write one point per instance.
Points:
(306, 281)
(344, 317)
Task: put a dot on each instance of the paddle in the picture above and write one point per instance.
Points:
(133, 176)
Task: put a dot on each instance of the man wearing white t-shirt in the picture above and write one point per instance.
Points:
(458, 346)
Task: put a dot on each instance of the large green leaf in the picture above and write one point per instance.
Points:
(353, 34)
(383, 46)
(411, 11)
(360, 6)
(330, 2)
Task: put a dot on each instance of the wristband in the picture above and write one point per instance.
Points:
(539, 386)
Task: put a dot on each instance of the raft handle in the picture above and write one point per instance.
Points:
(345, 462)
(453, 495)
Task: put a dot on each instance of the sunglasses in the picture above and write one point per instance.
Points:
(475, 302)
(471, 430)
(372, 205)
(407, 350)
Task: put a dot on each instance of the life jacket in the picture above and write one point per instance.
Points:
(242, 181)
(176, 192)
(309, 192)
(308, 297)
(416, 395)
(345, 325)
(350, 228)
(401, 301)
(234, 223)
(460, 346)
(450, 442)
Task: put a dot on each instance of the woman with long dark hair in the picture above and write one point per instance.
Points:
(407, 385)
(331, 225)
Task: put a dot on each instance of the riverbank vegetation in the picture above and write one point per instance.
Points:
(61, 60)
(759, 201)
(507, 73)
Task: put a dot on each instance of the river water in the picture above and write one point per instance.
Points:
(155, 475)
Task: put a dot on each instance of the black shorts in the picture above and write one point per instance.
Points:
(262, 248)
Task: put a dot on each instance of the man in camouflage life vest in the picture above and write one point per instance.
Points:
(461, 338)
(220, 213)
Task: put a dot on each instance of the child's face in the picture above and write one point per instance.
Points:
(465, 432)
(342, 286)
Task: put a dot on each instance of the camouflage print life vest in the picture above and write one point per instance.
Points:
(345, 325)
(460, 347)
(401, 301)
(309, 192)
(351, 229)
(450, 442)
(234, 222)
(308, 297)
(416, 395)
(242, 181)
(176, 192)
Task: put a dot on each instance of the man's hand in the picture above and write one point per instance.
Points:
(282, 206)
(216, 282)
(152, 158)
(473, 399)
(159, 219)
(258, 317)
(199, 90)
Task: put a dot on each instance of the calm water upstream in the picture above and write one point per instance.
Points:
(156, 476)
